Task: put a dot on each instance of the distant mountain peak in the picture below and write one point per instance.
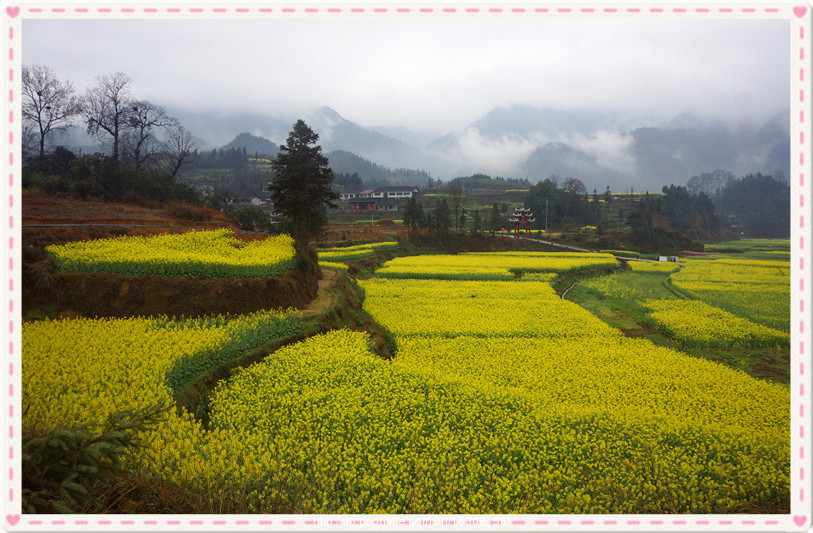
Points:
(253, 144)
(683, 121)
(690, 121)
(329, 113)
(531, 122)
(521, 140)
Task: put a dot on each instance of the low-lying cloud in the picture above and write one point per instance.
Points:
(506, 155)
(610, 149)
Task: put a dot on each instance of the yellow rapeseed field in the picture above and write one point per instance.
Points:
(539, 276)
(490, 265)
(653, 266)
(502, 398)
(698, 324)
(753, 289)
(332, 264)
(617, 286)
(353, 253)
(487, 308)
(215, 253)
(519, 339)
(84, 369)
(80, 371)
(338, 430)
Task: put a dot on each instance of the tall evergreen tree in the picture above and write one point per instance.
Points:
(496, 220)
(301, 184)
(477, 223)
(413, 215)
(443, 217)
(430, 221)
(420, 216)
(409, 213)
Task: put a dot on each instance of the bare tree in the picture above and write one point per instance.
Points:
(456, 204)
(708, 183)
(48, 103)
(140, 141)
(179, 148)
(574, 186)
(108, 107)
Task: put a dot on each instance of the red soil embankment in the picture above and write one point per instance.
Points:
(54, 210)
(74, 294)
(360, 232)
(104, 295)
(101, 220)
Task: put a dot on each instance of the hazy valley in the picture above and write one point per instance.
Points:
(600, 148)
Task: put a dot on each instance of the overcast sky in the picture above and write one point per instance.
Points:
(433, 76)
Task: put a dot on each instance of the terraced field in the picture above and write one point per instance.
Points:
(501, 398)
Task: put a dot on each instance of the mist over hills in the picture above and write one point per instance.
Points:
(526, 121)
(341, 161)
(520, 141)
(601, 149)
(337, 133)
(344, 162)
(253, 144)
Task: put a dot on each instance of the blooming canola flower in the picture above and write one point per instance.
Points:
(501, 398)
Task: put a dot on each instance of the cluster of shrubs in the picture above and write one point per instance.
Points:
(62, 173)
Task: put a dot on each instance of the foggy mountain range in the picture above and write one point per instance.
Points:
(520, 141)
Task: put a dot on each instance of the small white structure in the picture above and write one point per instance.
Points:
(371, 193)
(398, 192)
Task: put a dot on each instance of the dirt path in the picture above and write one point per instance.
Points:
(549, 243)
(325, 299)
(568, 290)
(173, 226)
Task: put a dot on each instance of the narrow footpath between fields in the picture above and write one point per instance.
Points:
(325, 299)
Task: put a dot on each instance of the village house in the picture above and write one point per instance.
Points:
(370, 193)
(398, 192)
(260, 199)
(380, 199)
(394, 192)
(372, 204)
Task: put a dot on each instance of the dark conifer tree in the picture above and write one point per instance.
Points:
(477, 224)
(496, 220)
(301, 185)
(420, 216)
(409, 213)
(443, 217)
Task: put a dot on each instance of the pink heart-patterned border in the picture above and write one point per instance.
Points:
(797, 11)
